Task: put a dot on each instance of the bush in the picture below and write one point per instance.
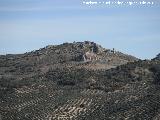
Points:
(66, 82)
(155, 68)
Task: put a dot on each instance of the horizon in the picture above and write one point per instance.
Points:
(71, 42)
(30, 25)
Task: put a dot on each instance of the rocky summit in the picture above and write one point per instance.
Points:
(78, 81)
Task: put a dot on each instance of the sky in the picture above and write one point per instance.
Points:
(27, 25)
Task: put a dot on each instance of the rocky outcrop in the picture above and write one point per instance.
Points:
(90, 56)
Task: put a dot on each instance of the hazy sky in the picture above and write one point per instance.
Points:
(26, 25)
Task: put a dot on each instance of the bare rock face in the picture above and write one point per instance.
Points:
(55, 83)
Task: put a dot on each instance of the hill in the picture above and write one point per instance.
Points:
(78, 81)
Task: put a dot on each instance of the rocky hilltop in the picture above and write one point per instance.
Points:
(78, 81)
(78, 53)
